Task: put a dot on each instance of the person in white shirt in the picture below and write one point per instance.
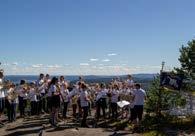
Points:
(84, 100)
(33, 99)
(2, 96)
(41, 86)
(97, 99)
(78, 91)
(21, 94)
(65, 97)
(130, 81)
(114, 100)
(101, 100)
(11, 103)
(47, 82)
(55, 100)
(139, 96)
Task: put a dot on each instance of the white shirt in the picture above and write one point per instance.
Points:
(1, 83)
(25, 96)
(20, 91)
(98, 96)
(75, 91)
(52, 89)
(139, 97)
(83, 96)
(2, 93)
(130, 82)
(115, 96)
(32, 95)
(65, 94)
(104, 93)
(41, 86)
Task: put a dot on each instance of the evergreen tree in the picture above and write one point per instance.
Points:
(160, 98)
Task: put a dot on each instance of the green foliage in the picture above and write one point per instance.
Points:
(185, 59)
(186, 68)
(159, 98)
(154, 133)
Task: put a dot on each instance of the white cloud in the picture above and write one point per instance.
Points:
(54, 66)
(112, 54)
(67, 65)
(84, 69)
(5, 64)
(84, 64)
(93, 59)
(37, 65)
(106, 60)
(15, 63)
(101, 67)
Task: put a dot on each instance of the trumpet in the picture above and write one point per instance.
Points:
(58, 88)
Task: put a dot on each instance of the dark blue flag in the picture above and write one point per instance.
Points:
(171, 81)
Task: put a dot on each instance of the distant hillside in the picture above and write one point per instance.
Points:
(145, 79)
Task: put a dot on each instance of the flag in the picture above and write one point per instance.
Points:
(171, 81)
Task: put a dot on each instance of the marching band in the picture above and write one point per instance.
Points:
(56, 97)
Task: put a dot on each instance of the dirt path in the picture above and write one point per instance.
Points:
(34, 126)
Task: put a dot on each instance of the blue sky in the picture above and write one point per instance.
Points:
(93, 36)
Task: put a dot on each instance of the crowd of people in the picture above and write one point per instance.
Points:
(55, 96)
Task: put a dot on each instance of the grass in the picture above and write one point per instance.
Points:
(154, 133)
(193, 92)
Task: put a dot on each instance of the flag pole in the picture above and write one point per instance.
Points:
(162, 68)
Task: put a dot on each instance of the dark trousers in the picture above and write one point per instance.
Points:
(34, 109)
(89, 110)
(101, 106)
(65, 109)
(11, 111)
(132, 117)
(114, 110)
(21, 106)
(48, 105)
(39, 107)
(85, 114)
(74, 109)
(43, 102)
(138, 110)
(80, 108)
(2, 104)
